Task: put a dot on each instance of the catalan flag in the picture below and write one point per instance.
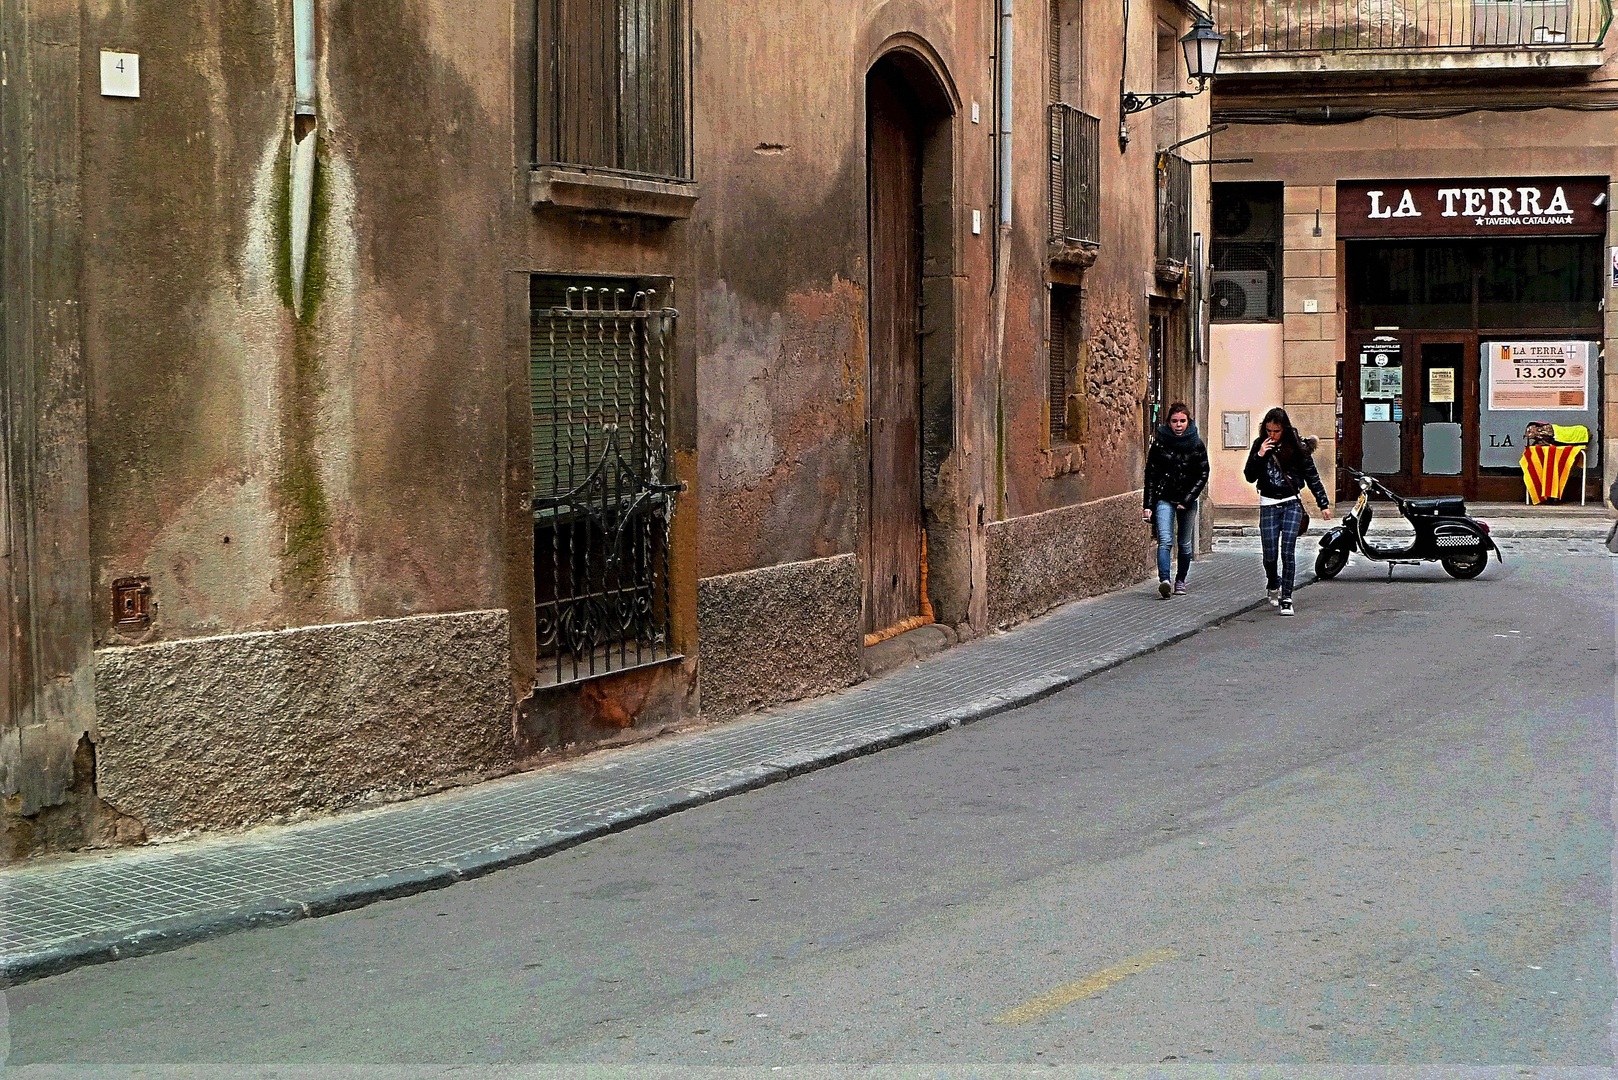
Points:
(1545, 470)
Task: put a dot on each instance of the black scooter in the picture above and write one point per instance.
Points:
(1444, 532)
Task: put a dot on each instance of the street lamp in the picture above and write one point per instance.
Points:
(1201, 48)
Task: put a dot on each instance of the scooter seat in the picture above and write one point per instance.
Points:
(1442, 506)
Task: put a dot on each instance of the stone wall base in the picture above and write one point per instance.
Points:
(1041, 560)
(228, 732)
(778, 633)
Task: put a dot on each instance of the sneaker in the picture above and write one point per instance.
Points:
(1286, 607)
(1179, 588)
(1164, 588)
(1275, 596)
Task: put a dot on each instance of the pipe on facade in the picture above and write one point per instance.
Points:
(303, 61)
(302, 178)
(1003, 61)
(1002, 255)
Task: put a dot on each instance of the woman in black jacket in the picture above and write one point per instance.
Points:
(1176, 472)
(1281, 464)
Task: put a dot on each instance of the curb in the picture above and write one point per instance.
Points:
(170, 934)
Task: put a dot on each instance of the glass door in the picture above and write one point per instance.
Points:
(1438, 415)
(1375, 402)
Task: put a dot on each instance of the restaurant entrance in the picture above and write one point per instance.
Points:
(1433, 325)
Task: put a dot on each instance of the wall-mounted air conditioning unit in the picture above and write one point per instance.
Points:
(1240, 295)
(1236, 218)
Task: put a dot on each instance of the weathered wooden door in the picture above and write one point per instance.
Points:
(894, 578)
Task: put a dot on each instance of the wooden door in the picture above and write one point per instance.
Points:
(894, 580)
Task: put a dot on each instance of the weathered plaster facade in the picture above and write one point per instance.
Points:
(329, 501)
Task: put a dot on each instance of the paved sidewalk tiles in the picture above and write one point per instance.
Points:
(62, 914)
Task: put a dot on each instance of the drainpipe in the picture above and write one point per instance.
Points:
(302, 179)
(1002, 261)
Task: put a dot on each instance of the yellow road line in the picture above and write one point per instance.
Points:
(1047, 1003)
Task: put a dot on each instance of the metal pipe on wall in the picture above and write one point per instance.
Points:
(303, 63)
(1003, 61)
(302, 178)
(1002, 254)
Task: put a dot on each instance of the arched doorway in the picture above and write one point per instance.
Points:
(910, 398)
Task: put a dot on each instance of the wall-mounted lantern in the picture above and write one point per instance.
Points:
(1201, 47)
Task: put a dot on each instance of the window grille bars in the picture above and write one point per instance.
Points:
(1173, 208)
(603, 504)
(1075, 174)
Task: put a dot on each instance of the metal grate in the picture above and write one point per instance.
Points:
(1057, 355)
(1246, 255)
(1075, 174)
(602, 501)
(619, 86)
(1173, 208)
(1284, 26)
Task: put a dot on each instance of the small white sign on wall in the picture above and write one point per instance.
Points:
(120, 74)
(1234, 427)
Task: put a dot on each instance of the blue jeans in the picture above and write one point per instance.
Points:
(1166, 530)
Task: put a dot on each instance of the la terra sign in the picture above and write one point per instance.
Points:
(1487, 206)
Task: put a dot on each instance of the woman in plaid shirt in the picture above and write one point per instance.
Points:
(1280, 464)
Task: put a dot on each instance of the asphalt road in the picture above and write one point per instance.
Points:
(1380, 832)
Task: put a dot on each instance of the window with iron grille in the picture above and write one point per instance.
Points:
(1173, 208)
(1065, 371)
(1245, 260)
(615, 86)
(1075, 175)
(603, 500)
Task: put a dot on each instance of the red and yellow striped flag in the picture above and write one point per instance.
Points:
(1545, 470)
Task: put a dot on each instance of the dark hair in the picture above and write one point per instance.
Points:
(1292, 444)
(1177, 407)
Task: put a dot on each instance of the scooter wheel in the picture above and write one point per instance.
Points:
(1466, 566)
(1330, 562)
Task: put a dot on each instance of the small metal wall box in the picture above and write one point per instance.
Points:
(131, 604)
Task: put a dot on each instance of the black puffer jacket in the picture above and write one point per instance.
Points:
(1176, 467)
(1277, 478)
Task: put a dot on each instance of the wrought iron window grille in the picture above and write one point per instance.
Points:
(603, 501)
(1075, 175)
(1173, 209)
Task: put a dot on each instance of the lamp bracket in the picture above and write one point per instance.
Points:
(1134, 103)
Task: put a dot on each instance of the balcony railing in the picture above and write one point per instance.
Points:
(1075, 175)
(1258, 27)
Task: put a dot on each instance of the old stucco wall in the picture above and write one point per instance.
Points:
(230, 731)
(778, 633)
(264, 469)
(1110, 456)
(1041, 560)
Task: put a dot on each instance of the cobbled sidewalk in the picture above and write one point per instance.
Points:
(62, 914)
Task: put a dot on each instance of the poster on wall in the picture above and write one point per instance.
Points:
(1551, 382)
(1381, 369)
(1538, 376)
